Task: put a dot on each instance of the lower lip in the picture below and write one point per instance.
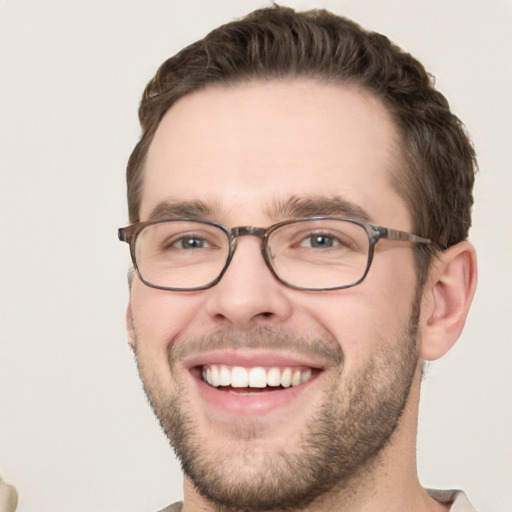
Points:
(259, 403)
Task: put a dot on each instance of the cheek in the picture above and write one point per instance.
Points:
(159, 317)
(372, 314)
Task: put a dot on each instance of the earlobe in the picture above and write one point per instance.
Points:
(129, 326)
(447, 296)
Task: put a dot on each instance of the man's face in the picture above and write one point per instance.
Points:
(253, 155)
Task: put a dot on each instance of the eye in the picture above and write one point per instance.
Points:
(190, 242)
(320, 241)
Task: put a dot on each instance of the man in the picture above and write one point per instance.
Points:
(300, 201)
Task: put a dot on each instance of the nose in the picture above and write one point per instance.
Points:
(248, 295)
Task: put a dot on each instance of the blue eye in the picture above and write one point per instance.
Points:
(191, 242)
(320, 241)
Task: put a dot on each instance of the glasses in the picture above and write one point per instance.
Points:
(318, 253)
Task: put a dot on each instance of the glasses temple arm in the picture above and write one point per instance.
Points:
(395, 234)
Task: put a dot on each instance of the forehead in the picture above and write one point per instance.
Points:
(243, 148)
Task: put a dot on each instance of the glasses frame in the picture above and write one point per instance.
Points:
(375, 233)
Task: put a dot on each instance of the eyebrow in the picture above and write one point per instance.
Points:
(316, 206)
(174, 209)
(280, 209)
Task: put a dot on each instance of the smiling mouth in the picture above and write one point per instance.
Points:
(241, 380)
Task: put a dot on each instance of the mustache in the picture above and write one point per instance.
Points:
(267, 338)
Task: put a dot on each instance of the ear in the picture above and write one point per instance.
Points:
(129, 326)
(447, 296)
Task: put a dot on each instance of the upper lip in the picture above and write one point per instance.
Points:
(250, 358)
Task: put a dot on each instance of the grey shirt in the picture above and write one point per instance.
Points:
(459, 501)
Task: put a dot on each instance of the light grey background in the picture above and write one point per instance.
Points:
(75, 431)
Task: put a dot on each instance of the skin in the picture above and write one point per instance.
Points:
(241, 150)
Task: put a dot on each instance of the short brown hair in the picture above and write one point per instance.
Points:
(278, 42)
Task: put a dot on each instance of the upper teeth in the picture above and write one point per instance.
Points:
(258, 377)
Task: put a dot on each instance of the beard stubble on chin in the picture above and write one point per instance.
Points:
(341, 439)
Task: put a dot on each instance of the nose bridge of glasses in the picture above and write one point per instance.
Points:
(260, 233)
(236, 232)
(247, 231)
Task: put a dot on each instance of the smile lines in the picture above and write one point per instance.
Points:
(257, 377)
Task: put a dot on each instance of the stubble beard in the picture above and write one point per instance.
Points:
(341, 441)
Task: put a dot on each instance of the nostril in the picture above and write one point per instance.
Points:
(266, 314)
